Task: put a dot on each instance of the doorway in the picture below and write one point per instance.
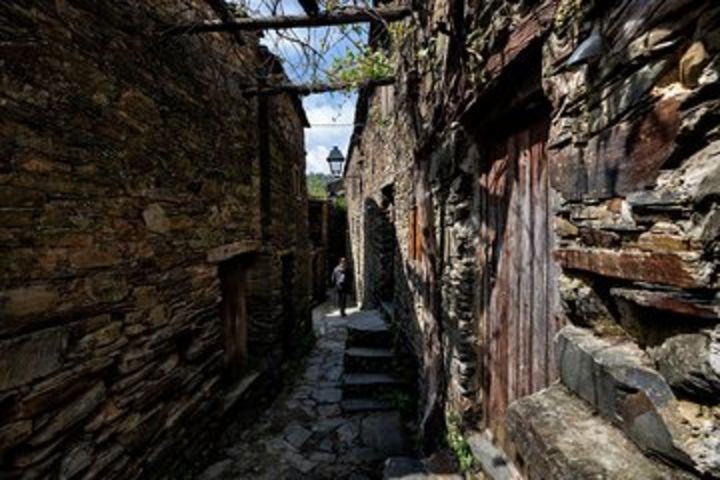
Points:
(287, 290)
(386, 241)
(233, 285)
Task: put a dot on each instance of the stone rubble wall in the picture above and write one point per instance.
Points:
(125, 158)
(633, 159)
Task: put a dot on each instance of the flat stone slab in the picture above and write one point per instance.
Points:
(359, 379)
(361, 352)
(357, 405)
(327, 395)
(404, 468)
(296, 435)
(560, 437)
(384, 432)
(492, 460)
(367, 321)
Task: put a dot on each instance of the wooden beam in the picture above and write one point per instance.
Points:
(309, 89)
(311, 7)
(343, 16)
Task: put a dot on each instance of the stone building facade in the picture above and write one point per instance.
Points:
(536, 201)
(153, 234)
(319, 220)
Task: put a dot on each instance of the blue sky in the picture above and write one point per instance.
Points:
(330, 115)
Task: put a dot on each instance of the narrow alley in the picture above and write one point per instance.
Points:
(518, 202)
(335, 419)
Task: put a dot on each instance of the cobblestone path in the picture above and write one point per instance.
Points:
(305, 434)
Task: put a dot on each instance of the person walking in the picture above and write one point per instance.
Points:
(341, 282)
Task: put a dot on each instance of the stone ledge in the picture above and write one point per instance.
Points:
(679, 302)
(559, 437)
(678, 269)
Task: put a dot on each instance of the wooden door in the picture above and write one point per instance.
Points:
(518, 299)
(288, 299)
(233, 282)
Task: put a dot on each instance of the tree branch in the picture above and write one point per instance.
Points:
(343, 16)
(309, 89)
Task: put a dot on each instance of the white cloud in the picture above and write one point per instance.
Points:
(324, 111)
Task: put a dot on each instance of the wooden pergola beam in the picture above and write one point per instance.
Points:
(344, 16)
(309, 89)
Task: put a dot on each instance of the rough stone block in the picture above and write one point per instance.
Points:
(616, 378)
(155, 219)
(581, 303)
(560, 437)
(691, 363)
(697, 178)
(77, 459)
(32, 356)
(27, 300)
(62, 386)
(624, 158)
(14, 433)
(679, 302)
(77, 410)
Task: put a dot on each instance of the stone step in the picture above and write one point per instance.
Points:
(363, 359)
(369, 338)
(559, 436)
(361, 352)
(367, 329)
(405, 468)
(363, 379)
(358, 405)
(357, 385)
(367, 321)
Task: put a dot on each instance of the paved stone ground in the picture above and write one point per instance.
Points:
(305, 434)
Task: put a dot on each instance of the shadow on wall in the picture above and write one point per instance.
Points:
(381, 251)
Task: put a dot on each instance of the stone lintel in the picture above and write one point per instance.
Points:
(225, 252)
(286, 251)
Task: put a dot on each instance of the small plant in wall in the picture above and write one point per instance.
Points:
(458, 443)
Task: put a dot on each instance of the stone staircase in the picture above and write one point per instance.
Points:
(372, 370)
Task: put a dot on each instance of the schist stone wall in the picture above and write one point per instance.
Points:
(554, 227)
(133, 175)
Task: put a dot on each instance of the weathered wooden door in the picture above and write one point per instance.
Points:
(233, 282)
(288, 299)
(518, 298)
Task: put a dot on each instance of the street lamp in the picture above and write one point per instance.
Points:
(335, 160)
